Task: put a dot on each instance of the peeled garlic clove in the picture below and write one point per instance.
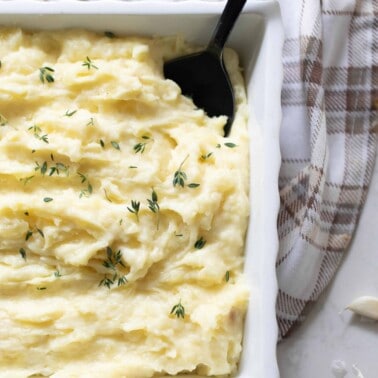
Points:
(365, 306)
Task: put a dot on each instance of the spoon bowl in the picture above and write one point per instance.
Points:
(203, 76)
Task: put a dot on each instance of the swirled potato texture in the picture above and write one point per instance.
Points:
(123, 212)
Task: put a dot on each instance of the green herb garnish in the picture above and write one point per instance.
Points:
(89, 64)
(42, 168)
(113, 260)
(26, 180)
(115, 145)
(230, 145)
(22, 253)
(47, 199)
(200, 243)
(141, 146)
(45, 74)
(109, 34)
(153, 205)
(134, 209)
(57, 274)
(70, 113)
(178, 310)
(227, 276)
(180, 176)
(206, 156)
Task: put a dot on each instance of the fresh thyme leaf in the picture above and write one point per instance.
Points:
(45, 74)
(47, 199)
(179, 235)
(200, 243)
(218, 145)
(36, 129)
(83, 177)
(206, 156)
(1, 64)
(3, 120)
(193, 185)
(230, 145)
(57, 274)
(26, 213)
(42, 168)
(115, 145)
(178, 310)
(86, 192)
(26, 180)
(28, 235)
(133, 166)
(227, 276)
(134, 209)
(106, 196)
(102, 144)
(109, 34)
(69, 113)
(89, 64)
(40, 232)
(41, 288)
(22, 253)
(91, 122)
(52, 157)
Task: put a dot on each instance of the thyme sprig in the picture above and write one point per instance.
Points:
(153, 205)
(58, 168)
(26, 180)
(141, 146)
(113, 260)
(45, 74)
(89, 64)
(134, 209)
(89, 189)
(37, 133)
(178, 310)
(179, 177)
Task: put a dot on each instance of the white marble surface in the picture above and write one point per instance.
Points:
(330, 336)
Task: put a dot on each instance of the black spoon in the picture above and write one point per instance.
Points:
(202, 75)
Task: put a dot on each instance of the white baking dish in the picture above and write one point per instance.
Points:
(258, 38)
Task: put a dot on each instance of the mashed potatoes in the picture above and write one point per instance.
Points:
(123, 212)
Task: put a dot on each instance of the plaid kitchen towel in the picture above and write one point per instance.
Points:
(328, 141)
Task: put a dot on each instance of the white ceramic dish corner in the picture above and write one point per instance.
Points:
(258, 38)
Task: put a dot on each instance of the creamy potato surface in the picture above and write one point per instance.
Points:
(123, 212)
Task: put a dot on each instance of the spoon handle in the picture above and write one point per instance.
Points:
(224, 26)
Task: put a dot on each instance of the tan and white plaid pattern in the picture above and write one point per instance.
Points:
(328, 141)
